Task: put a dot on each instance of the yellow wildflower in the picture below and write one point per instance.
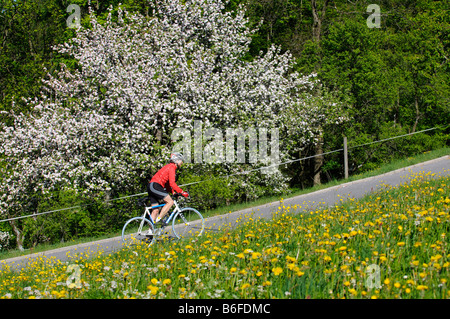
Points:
(277, 270)
(421, 287)
(153, 289)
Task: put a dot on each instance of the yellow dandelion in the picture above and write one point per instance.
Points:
(291, 259)
(244, 286)
(421, 287)
(352, 291)
(153, 289)
(256, 255)
(277, 270)
(291, 266)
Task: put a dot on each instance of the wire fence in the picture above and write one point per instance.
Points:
(230, 175)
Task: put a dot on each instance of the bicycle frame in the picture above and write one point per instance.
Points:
(148, 210)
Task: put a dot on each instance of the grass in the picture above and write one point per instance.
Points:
(401, 233)
(261, 201)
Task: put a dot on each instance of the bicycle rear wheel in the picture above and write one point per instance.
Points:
(136, 231)
(188, 223)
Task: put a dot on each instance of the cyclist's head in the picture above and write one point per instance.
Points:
(177, 158)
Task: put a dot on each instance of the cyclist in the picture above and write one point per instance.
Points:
(163, 183)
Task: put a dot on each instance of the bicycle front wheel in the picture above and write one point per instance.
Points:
(188, 223)
(138, 230)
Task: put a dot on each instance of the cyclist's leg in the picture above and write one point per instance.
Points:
(154, 213)
(157, 193)
(153, 202)
(169, 203)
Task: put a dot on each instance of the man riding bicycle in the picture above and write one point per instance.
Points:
(162, 183)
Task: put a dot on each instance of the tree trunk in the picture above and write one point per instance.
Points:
(318, 16)
(416, 104)
(19, 235)
(318, 161)
(317, 29)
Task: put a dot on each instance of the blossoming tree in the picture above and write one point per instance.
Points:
(102, 126)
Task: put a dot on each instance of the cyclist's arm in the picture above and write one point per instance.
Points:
(172, 183)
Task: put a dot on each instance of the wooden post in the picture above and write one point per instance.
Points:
(345, 158)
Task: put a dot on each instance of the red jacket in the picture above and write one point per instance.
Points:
(166, 178)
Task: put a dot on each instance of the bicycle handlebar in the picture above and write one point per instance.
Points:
(176, 195)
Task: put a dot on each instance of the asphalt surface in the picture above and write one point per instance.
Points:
(327, 197)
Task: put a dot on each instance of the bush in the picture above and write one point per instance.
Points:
(90, 217)
(211, 190)
(368, 157)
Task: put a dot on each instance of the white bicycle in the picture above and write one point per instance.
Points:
(186, 222)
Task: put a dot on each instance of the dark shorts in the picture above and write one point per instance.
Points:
(156, 193)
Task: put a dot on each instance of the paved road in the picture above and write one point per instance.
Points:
(326, 197)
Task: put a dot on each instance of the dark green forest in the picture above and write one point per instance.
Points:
(393, 74)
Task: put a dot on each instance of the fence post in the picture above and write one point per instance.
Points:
(345, 158)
